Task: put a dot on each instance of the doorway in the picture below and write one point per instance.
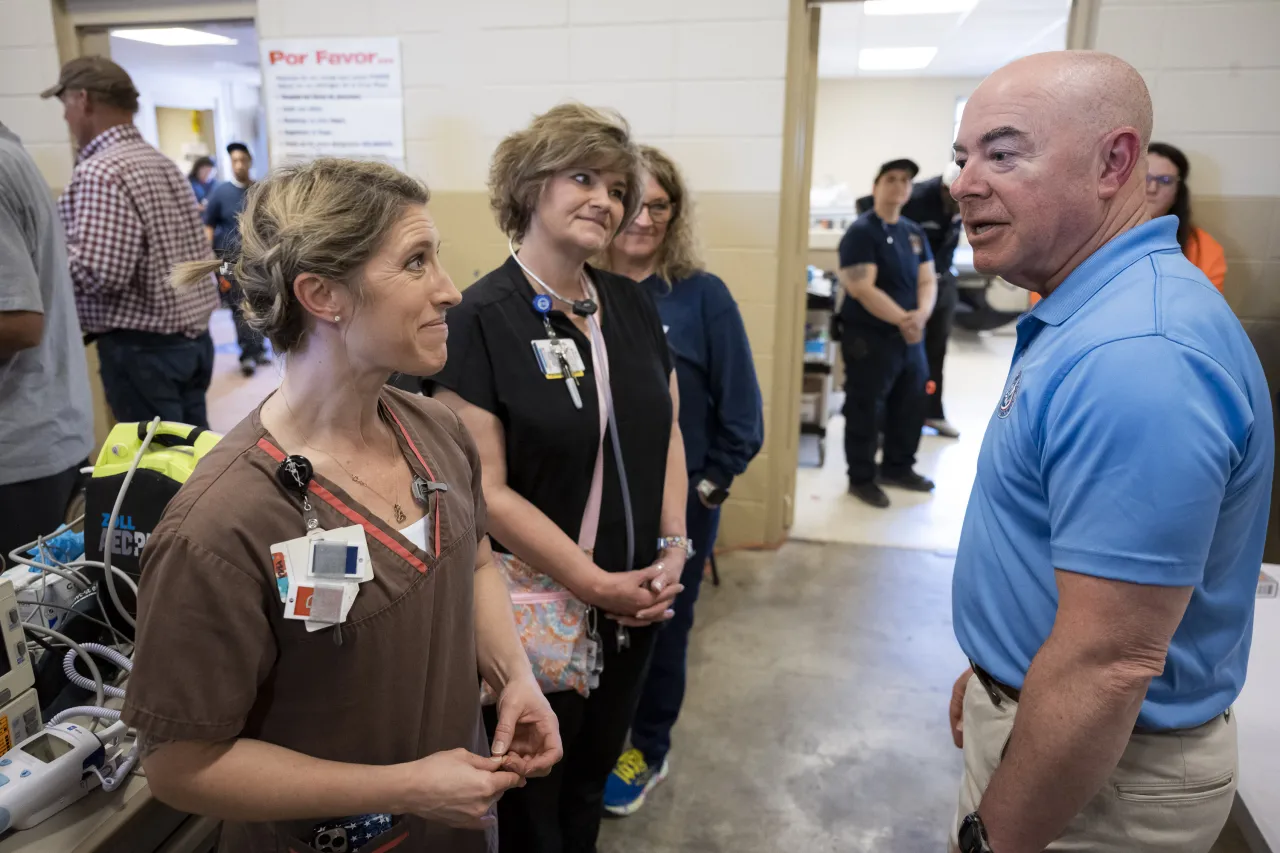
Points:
(892, 80)
(199, 88)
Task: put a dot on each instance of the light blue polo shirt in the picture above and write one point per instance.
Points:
(1133, 442)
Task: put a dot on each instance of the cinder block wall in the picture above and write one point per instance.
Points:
(703, 80)
(1214, 73)
(28, 65)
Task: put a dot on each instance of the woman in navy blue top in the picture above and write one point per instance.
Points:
(722, 421)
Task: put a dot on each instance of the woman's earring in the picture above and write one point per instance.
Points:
(336, 318)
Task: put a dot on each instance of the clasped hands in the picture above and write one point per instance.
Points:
(912, 326)
(459, 788)
(643, 596)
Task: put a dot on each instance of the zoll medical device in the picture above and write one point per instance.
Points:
(48, 772)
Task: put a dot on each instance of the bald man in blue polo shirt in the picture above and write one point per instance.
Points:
(1105, 580)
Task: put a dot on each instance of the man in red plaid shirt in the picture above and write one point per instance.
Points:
(130, 216)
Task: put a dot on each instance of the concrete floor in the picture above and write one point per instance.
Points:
(816, 715)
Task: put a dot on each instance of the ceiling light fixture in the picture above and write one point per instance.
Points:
(895, 58)
(917, 7)
(173, 37)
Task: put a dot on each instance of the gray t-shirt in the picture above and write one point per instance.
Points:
(46, 413)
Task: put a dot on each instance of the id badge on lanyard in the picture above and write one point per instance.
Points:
(558, 358)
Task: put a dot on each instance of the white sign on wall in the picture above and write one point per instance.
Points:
(334, 97)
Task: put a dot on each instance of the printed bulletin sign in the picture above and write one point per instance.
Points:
(334, 97)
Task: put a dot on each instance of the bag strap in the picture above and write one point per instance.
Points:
(591, 513)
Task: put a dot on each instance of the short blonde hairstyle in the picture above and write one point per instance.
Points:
(567, 136)
(325, 217)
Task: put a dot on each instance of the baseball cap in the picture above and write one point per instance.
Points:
(902, 163)
(96, 74)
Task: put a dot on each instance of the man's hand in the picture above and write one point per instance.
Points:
(912, 326)
(457, 788)
(528, 733)
(957, 708)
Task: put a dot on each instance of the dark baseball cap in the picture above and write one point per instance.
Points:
(96, 74)
(902, 164)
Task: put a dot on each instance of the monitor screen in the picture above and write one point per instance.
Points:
(47, 748)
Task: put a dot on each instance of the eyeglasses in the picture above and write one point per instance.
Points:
(1162, 180)
(659, 211)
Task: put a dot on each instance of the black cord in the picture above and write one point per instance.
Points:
(93, 619)
(42, 643)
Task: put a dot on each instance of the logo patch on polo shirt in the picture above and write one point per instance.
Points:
(917, 245)
(1010, 395)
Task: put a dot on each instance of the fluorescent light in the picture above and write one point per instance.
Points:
(895, 58)
(917, 7)
(173, 36)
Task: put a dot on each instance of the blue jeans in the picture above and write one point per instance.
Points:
(663, 691)
(146, 374)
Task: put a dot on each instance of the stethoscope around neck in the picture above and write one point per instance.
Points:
(587, 308)
(582, 307)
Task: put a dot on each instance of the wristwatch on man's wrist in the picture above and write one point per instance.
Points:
(676, 543)
(973, 835)
(711, 494)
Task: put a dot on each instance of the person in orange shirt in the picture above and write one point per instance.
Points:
(1168, 193)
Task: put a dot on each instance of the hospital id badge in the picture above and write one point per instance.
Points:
(553, 353)
(319, 604)
(340, 555)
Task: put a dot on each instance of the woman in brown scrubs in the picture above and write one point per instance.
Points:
(369, 728)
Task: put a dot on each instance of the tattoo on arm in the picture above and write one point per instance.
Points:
(857, 276)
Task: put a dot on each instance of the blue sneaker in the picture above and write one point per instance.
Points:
(630, 782)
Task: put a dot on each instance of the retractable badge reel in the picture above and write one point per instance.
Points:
(542, 304)
(295, 474)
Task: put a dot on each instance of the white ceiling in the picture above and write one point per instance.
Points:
(229, 61)
(970, 44)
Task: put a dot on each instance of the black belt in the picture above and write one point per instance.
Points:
(995, 688)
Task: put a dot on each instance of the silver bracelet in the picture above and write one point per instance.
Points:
(674, 543)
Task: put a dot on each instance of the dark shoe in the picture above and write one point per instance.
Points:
(911, 481)
(869, 493)
(246, 366)
(942, 427)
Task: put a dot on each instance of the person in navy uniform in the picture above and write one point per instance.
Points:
(886, 268)
(933, 209)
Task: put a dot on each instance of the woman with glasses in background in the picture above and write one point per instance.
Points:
(721, 420)
(1168, 194)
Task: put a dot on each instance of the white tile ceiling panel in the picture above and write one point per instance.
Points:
(976, 42)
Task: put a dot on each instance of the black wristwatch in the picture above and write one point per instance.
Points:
(711, 494)
(973, 835)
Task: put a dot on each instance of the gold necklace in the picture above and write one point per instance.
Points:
(397, 510)
(395, 506)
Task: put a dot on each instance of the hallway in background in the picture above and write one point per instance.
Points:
(977, 366)
(231, 396)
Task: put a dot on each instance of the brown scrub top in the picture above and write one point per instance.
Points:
(216, 659)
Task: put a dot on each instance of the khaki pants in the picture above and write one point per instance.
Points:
(1171, 792)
